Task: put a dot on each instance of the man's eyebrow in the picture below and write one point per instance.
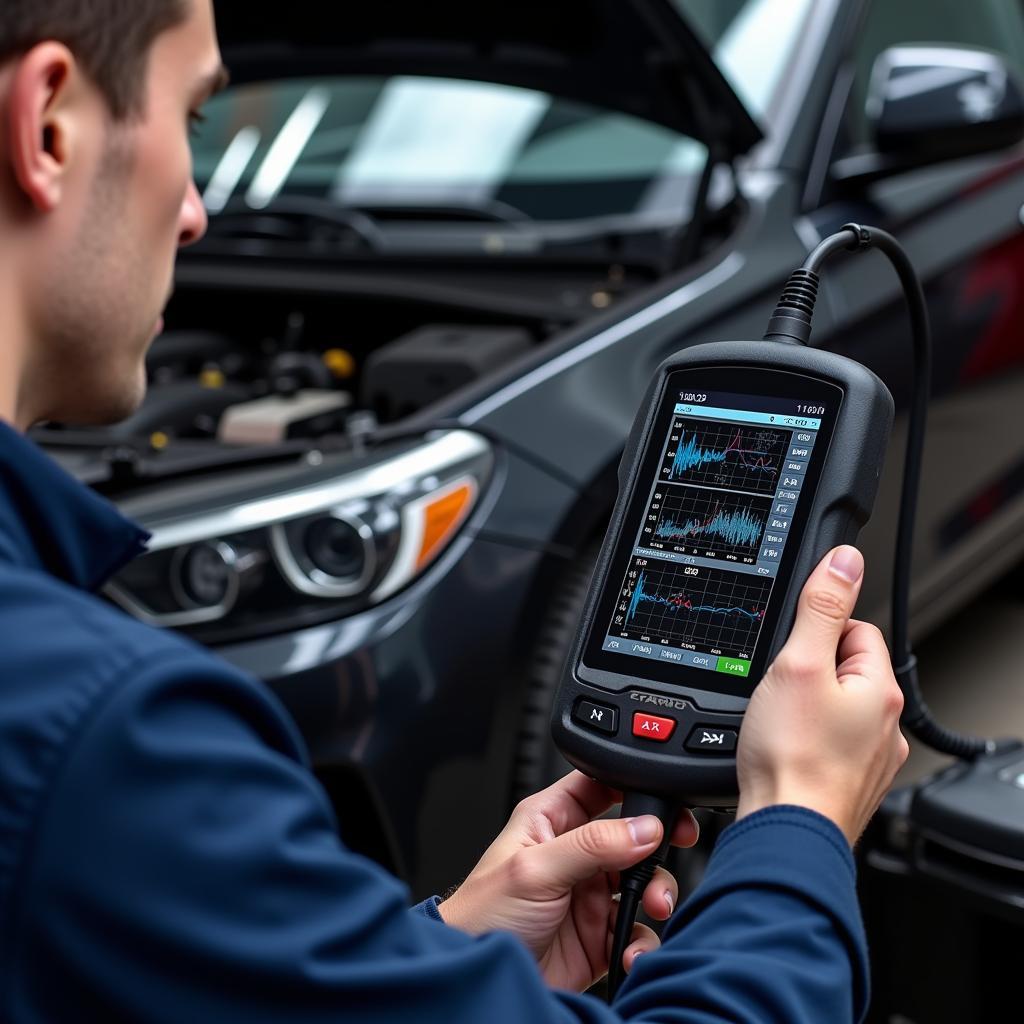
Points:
(212, 83)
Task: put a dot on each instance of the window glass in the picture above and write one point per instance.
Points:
(410, 140)
(751, 41)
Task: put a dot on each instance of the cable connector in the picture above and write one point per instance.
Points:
(791, 321)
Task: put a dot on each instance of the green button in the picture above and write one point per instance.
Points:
(734, 666)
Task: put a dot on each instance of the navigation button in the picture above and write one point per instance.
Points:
(708, 661)
(712, 739)
(596, 716)
(653, 727)
(734, 666)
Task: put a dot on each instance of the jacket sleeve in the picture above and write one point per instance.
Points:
(186, 866)
(773, 932)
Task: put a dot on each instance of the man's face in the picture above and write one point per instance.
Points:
(135, 205)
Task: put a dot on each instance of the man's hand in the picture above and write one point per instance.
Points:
(822, 728)
(549, 879)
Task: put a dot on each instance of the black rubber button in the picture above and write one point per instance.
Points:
(596, 716)
(712, 739)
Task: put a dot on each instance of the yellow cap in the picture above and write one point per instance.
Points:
(212, 377)
(342, 364)
(159, 440)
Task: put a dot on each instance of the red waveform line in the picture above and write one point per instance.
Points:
(734, 446)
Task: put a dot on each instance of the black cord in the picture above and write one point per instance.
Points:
(791, 322)
(633, 881)
(629, 905)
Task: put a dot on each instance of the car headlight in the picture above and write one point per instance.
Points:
(336, 541)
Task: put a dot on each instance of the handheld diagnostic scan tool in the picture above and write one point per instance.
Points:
(747, 462)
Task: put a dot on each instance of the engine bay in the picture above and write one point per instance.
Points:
(263, 363)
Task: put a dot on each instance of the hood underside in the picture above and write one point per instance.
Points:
(635, 56)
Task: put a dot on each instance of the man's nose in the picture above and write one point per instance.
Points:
(193, 217)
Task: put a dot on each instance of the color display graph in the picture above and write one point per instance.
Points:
(724, 455)
(695, 521)
(692, 606)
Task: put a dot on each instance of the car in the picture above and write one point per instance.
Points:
(446, 252)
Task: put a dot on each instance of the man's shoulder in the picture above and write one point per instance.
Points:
(66, 650)
(71, 661)
(55, 636)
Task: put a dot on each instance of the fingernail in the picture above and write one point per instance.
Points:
(847, 563)
(671, 902)
(644, 829)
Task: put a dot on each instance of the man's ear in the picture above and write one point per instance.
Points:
(40, 123)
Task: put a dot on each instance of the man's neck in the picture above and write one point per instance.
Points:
(13, 352)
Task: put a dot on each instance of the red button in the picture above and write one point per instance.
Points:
(652, 727)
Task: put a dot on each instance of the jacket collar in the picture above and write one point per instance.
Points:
(51, 521)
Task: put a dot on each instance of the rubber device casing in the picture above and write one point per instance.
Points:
(840, 507)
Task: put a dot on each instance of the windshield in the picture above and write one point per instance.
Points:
(493, 151)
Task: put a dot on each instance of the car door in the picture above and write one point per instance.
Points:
(961, 223)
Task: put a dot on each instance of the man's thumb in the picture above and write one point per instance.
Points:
(826, 603)
(607, 844)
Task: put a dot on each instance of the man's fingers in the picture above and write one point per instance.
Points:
(686, 831)
(571, 801)
(826, 604)
(661, 895)
(863, 641)
(643, 940)
(607, 844)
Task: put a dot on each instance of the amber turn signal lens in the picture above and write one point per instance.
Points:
(442, 517)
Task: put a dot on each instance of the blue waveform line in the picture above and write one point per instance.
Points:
(680, 602)
(733, 527)
(689, 454)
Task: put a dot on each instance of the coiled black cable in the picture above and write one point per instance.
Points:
(791, 322)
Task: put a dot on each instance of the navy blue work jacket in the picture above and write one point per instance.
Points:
(166, 856)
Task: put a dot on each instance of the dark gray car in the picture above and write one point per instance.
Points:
(446, 253)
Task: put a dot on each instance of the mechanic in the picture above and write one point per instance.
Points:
(165, 853)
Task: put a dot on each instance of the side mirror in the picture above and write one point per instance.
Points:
(926, 104)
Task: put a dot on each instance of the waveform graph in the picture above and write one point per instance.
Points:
(718, 454)
(692, 607)
(708, 523)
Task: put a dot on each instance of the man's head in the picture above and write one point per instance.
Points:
(96, 193)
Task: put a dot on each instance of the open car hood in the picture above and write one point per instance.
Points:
(636, 56)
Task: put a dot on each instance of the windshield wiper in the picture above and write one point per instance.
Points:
(300, 218)
(486, 209)
(297, 219)
(322, 222)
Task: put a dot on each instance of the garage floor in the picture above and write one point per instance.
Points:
(972, 672)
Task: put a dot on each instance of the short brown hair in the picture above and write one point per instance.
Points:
(110, 38)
